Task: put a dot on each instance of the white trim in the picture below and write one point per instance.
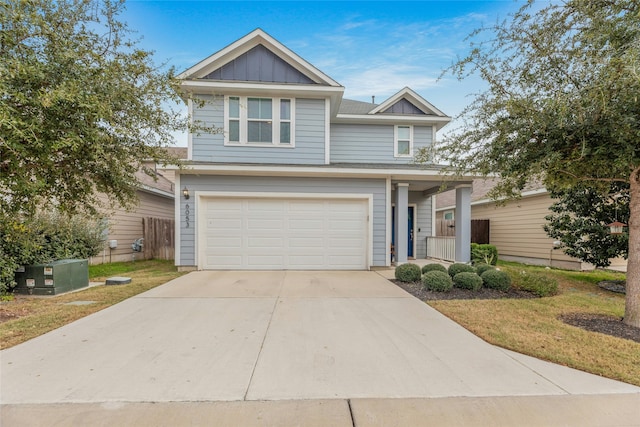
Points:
(327, 131)
(177, 220)
(277, 170)
(248, 42)
(396, 140)
(524, 194)
(434, 201)
(433, 135)
(411, 96)
(199, 195)
(155, 191)
(190, 134)
(388, 220)
(244, 120)
(436, 121)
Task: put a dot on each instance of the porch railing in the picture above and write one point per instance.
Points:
(441, 247)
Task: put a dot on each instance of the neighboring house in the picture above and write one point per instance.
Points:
(155, 200)
(516, 228)
(300, 178)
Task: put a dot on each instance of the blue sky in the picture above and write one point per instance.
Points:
(370, 47)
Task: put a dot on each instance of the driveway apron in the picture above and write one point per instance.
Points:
(233, 336)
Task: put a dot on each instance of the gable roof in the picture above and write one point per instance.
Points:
(408, 96)
(244, 48)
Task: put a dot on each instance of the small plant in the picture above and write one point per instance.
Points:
(487, 254)
(466, 280)
(482, 267)
(458, 267)
(437, 281)
(434, 267)
(496, 279)
(408, 273)
(537, 284)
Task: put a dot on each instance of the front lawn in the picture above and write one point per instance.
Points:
(533, 326)
(27, 317)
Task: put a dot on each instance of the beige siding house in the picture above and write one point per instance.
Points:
(155, 200)
(516, 228)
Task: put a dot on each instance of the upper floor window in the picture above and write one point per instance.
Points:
(403, 141)
(259, 121)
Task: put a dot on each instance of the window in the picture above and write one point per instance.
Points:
(258, 121)
(403, 141)
(448, 216)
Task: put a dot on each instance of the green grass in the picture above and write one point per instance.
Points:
(532, 326)
(31, 317)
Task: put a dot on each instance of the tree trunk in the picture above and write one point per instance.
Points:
(632, 299)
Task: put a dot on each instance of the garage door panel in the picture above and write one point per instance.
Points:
(282, 233)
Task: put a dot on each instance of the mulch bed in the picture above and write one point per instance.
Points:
(604, 324)
(419, 292)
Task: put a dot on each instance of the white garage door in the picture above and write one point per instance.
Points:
(281, 234)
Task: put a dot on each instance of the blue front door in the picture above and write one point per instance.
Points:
(410, 215)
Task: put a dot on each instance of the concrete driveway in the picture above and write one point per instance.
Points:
(338, 344)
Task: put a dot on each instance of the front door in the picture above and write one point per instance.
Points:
(411, 218)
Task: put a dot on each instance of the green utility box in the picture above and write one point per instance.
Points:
(53, 278)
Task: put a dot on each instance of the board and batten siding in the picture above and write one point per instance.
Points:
(126, 226)
(309, 137)
(357, 143)
(262, 184)
(517, 231)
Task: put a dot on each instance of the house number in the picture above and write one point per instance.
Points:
(186, 215)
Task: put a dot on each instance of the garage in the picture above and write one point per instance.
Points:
(283, 233)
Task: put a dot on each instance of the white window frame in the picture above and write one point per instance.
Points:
(396, 140)
(451, 212)
(244, 122)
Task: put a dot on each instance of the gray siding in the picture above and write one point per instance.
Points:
(237, 184)
(422, 222)
(403, 107)
(372, 143)
(259, 65)
(309, 138)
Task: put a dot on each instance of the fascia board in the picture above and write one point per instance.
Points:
(484, 201)
(299, 171)
(245, 44)
(412, 97)
(438, 121)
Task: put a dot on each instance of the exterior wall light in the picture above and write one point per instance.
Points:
(185, 192)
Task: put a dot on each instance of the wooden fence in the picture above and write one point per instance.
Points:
(159, 238)
(480, 230)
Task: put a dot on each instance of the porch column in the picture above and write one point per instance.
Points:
(463, 223)
(401, 222)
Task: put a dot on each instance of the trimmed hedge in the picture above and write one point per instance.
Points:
(496, 279)
(459, 267)
(481, 268)
(487, 254)
(537, 284)
(467, 280)
(437, 281)
(408, 272)
(434, 267)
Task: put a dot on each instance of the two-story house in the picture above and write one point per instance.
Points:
(298, 177)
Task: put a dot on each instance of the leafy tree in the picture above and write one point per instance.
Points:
(561, 106)
(580, 221)
(80, 106)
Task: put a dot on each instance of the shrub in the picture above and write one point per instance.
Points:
(487, 254)
(45, 237)
(460, 268)
(466, 280)
(408, 273)
(481, 268)
(496, 279)
(437, 281)
(537, 284)
(434, 267)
